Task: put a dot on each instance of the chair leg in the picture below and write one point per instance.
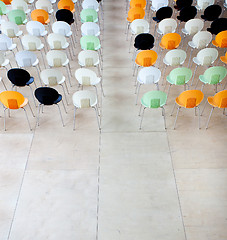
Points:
(60, 115)
(199, 117)
(64, 94)
(173, 109)
(176, 118)
(4, 85)
(142, 117)
(209, 117)
(38, 112)
(27, 118)
(164, 116)
(64, 106)
(97, 117)
(32, 95)
(204, 107)
(69, 76)
(169, 90)
(74, 119)
(194, 75)
(102, 88)
(140, 110)
(31, 109)
(5, 118)
(137, 93)
(190, 56)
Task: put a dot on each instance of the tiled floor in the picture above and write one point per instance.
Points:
(120, 183)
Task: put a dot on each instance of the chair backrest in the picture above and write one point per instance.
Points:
(90, 28)
(18, 76)
(154, 99)
(139, 26)
(88, 58)
(46, 95)
(17, 16)
(149, 75)
(220, 99)
(19, 4)
(164, 12)
(56, 41)
(25, 58)
(61, 27)
(30, 42)
(221, 39)
(202, 4)
(10, 29)
(90, 4)
(5, 42)
(193, 26)
(157, 4)
(3, 9)
(44, 4)
(212, 12)
(218, 26)
(66, 4)
(175, 57)
(170, 40)
(190, 98)
(89, 42)
(64, 15)
(207, 56)
(138, 3)
(167, 25)
(180, 4)
(215, 74)
(56, 58)
(202, 39)
(88, 15)
(52, 77)
(135, 13)
(40, 15)
(12, 99)
(180, 76)
(144, 41)
(85, 76)
(187, 13)
(146, 58)
(35, 28)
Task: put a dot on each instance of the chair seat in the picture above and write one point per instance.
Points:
(31, 80)
(58, 99)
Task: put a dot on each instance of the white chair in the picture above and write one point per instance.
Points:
(57, 58)
(53, 77)
(138, 26)
(147, 75)
(174, 58)
(91, 4)
(85, 99)
(167, 25)
(27, 59)
(64, 29)
(203, 4)
(6, 44)
(89, 58)
(33, 43)
(200, 40)
(87, 77)
(156, 4)
(58, 42)
(36, 28)
(11, 29)
(204, 57)
(90, 28)
(3, 63)
(45, 5)
(20, 5)
(192, 27)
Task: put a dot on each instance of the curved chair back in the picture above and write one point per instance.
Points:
(10, 29)
(25, 58)
(5, 42)
(86, 76)
(175, 57)
(45, 5)
(18, 77)
(36, 28)
(170, 41)
(214, 75)
(57, 41)
(62, 28)
(90, 4)
(90, 28)
(3, 8)
(162, 13)
(144, 41)
(64, 15)
(193, 26)
(88, 58)
(20, 5)
(149, 75)
(219, 99)
(220, 40)
(212, 12)
(154, 99)
(146, 58)
(138, 3)
(179, 76)
(167, 25)
(66, 4)
(56, 58)
(187, 13)
(207, 56)
(218, 26)
(40, 15)
(139, 26)
(12, 99)
(180, 4)
(17, 16)
(88, 15)
(90, 43)
(202, 39)
(52, 77)
(203, 4)
(31, 43)
(157, 4)
(135, 13)
(190, 98)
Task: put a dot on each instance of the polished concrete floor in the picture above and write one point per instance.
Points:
(120, 182)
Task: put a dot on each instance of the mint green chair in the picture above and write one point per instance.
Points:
(17, 16)
(179, 76)
(3, 9)
(213, 76)
(88, 15)
(153, 99)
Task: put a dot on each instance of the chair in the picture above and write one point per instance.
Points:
(14, 100)
(157, 4)
(11, 30)
(153, 99)
(90, 4)
(89, 58)
(212, 12)
(192, 27)
(6, 44)
(40, 15)
(200, 40)
(224, 58)
(21, 5)
(138, 26)
(136, 3)
(145, 58)
(203, 4)
(85, 99)
(87, 77)
(65, 15)
(180, 4)
(53, 77)
(88, 15)
(179, 76)
(147, 75)
(204, 57)
(213, 75)
(188, 99)
(17, 16)
(3, 63)
(219, 100)
(58, 42)
(170, 41)
(48, 96)
(90, 28)
(45, 5)
(33, 43)
(167, 25)
(57, 58)
(36, 28)
(186, 14)
(220, 40)
(3, 10)
(174, 58)
(218, 26)
(66, 4)
(26, 59)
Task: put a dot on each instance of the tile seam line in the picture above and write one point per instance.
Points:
(177, 190)
(20, 188)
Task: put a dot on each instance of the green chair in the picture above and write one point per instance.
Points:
(17, 16)
(213, 76)
(88, 15)
(179, 76)
(153, 99)
(3, 9)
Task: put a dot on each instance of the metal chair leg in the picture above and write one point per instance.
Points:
(164, 116)
(199, 117)
(60, 115)
(176, 117)
(204, 107)
(173, 109)
(5, 118)
(142, 117)
(64, 94)
(209, 117)
(38, 112)
(97, 117)
(137, 93)
(194, 74)
(27, 118)
(74, 119)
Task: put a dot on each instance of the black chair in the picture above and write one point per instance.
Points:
(183, 3)
(212, 13)
(218, 26)
(48, 96)
(187, 13)
(162, 13)
(65, 15)
(20, 78)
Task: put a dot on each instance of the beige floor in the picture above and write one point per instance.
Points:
(120, 183)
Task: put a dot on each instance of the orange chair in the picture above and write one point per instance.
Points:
(188, 99)
(145, 58)
(134, 13)
(7, 2)
(138, 3)
(66, 4)
(224, 58)
(40, 15)
(220, 40)
(14, 100)
(170, 41)
(219, 100)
